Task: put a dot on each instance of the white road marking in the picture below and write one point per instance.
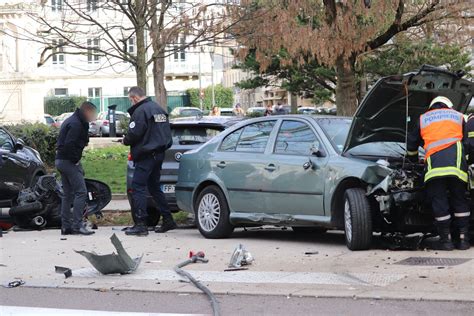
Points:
(36, 311)
(255, 277)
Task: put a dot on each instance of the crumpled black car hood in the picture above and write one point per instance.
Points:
(382, 115)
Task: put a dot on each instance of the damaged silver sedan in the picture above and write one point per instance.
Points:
(317, 173)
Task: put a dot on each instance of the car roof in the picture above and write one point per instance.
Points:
(206, 120)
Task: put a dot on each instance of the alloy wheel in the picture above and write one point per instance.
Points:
(209, 212)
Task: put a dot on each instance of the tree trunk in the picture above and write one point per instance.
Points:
(159, 82)
(346, 93)
(141, 65)
(294, 103)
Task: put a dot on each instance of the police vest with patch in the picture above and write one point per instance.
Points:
(440, 129)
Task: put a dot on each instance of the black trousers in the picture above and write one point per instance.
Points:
(448, 198)
(146, 178)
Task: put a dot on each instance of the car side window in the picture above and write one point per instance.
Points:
(294, 138)
(6, 142)
(230, 141)
(254, 137)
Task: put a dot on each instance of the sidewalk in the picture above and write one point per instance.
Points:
(281, 266)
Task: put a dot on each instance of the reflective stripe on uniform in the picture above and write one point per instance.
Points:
(443, 218)
(470, 134)
(462, 214)
(441, 142)
(458, 155)
(412, 153)
(446, 172)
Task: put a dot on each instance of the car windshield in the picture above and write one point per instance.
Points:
(49, 120)
(337, 130)
(190, 112)
(193, 134)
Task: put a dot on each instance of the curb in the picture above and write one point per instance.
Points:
(119, 196)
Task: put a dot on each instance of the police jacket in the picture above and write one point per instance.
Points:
(469, 139)
(73, 137)
(443, 143)
(149, 131)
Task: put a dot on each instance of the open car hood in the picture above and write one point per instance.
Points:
(383, 113)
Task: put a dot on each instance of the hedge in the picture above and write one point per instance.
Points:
(40, 137)
(224, 97)
(59, 105)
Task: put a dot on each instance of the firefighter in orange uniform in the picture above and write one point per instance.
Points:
(441, 133)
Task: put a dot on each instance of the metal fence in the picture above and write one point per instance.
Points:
(175, 99)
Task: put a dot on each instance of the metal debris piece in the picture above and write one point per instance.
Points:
(13, 284)
(114, 263)
(430, 261)
(66, 271)
(240, 257)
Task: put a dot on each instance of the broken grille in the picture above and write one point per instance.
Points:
(428, 261)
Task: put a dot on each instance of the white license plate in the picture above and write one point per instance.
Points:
(168, 188)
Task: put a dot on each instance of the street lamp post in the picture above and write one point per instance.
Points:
(211, 51)
(200, 80)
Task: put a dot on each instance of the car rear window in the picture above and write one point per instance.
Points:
(193, 134)
(49, 120)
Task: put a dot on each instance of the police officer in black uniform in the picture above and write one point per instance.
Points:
(149, 136)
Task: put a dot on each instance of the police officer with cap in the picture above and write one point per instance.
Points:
(441, 132)
(149, 136)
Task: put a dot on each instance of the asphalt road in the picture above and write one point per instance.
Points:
(149, 302)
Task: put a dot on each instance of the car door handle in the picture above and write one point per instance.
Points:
(221, 164)
(270, 167)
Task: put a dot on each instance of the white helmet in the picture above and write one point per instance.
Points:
(443, 100)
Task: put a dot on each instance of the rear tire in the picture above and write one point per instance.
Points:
(212, 213)
(357, 220)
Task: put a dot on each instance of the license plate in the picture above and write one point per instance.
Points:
(168, 188)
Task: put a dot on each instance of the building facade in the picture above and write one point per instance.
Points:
(25, 81)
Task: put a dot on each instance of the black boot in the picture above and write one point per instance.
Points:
(139, 229)
(444, 242)
(462, 240)
(168, 224)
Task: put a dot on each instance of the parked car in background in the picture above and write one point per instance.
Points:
(61, 118)
(49, 120)
(314, 173)
(101, 126)
(185, 112)
(256, 111)
(309, 110)
(188, 133)
(331, 110)
(20, 167)
(227, 112)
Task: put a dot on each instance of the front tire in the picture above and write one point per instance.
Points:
(212, 213)
(357, 220)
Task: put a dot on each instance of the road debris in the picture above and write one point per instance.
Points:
(195, 257)
(235, 269)
(309, 253)
(113, 263)
(13, 284)
(240, 257)
(66, 271)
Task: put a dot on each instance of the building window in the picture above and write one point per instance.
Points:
(92, 5)
(58, 52)
(94, 92)
(60, 92)
(93, 56)
(131, 46)
(57, 5)
(179, 53)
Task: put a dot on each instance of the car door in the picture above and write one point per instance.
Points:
(13, 167)
(240, 163)
(294, 176)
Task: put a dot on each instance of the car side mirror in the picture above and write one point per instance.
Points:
(315, 149)
(19, 145)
